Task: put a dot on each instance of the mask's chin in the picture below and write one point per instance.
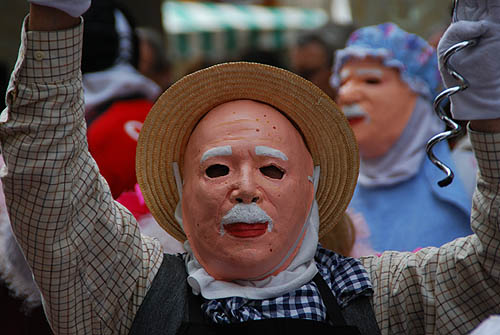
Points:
(253, 263)
(243, 264)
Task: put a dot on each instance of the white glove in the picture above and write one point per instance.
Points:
(74, 8)
(479, 65)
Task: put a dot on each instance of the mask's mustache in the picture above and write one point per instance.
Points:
(246, 213)
(353, 111)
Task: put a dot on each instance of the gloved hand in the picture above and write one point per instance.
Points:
(480, 64)
(74, 8)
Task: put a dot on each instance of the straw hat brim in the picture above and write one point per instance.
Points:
(171, 121)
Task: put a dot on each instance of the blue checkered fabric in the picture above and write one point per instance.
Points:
(346, 277)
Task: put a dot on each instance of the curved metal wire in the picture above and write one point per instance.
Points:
(454, 128)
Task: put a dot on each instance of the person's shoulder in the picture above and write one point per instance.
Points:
(335, 264)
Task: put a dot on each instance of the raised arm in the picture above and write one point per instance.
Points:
(450, 290)
(86, 253)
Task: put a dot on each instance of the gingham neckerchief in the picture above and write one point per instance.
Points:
(346, 277)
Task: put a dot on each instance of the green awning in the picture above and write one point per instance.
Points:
(217, 31)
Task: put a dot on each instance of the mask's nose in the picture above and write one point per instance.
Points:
(246, 189)
(348, 93)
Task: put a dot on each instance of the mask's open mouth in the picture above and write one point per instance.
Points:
(246, 230)
(355, 120)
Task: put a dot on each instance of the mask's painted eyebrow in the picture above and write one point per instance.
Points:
(361, 72)
(262, 150)
(370, 72)
(217, 151)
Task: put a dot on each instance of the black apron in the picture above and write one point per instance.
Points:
(170, 308)
(335, 324)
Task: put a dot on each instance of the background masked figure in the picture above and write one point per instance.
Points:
(387, 79)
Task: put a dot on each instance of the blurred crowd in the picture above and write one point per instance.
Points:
(382, 77)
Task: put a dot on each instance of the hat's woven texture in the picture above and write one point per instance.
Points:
(169, 124)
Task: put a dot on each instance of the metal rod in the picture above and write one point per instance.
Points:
(454, 128)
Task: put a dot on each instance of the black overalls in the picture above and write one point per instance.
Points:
(170, 308)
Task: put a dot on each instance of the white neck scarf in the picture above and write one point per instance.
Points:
(404, 158)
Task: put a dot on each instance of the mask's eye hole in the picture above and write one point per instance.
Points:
(216, 170)
(272, 171)
(372, 81)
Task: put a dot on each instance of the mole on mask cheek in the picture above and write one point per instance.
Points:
(247, 191)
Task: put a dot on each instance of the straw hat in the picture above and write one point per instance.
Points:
(171, 121)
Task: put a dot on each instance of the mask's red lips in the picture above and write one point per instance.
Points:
(355, 120)
(245, 230)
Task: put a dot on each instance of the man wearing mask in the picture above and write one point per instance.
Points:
(247, 163)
